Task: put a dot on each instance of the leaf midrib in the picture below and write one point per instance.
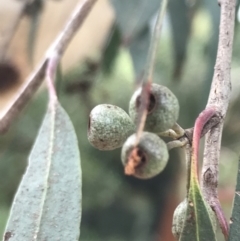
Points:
(52, 109)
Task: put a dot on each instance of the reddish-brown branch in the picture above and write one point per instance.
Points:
(221, 218)
(200, 122)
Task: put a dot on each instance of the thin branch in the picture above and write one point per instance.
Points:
(169, 133)
(178, 129)
(147, 78)
(188, 154)
(57, 49)
(219, 98)
(200, 122)
(175, 144)
(186, 136)
(75, 21)
(216, 119)
(155, 41)
(175, 133)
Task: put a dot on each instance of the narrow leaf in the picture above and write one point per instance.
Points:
(33, 29)
(181, 24)
(33, 10)
(111, 48)
(47, 205)
(133, 16)
(211, 48)
(139, 51)
(199, 224)
(234, 234)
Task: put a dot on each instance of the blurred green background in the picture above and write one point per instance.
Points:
(117, 207)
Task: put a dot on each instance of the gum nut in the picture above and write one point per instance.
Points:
(163, 108)
(147, 159)
(180, 215)
(179, 218)
(109, 126)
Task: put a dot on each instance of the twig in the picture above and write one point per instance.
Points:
(202, 119)
(176, 143)
(186, 136)
(155, 42)
(169, 133)
(57, 49)
(178, 129)
(175, 133)
(147, 78)
(219, 98)
(216, 119)
(188, 154)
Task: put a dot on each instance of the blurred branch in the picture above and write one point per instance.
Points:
(8, 33)
(219, 98)
(55, 51)
(148, 74)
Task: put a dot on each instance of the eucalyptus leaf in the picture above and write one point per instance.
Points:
(33, 10)
(111, 49)
(211, 50)
(199, 224)
(133, 19)
(234, 233)
(34, 26)
(139, 48)
(47, 205)
(236, 25)
(181, 24)
(133, 16)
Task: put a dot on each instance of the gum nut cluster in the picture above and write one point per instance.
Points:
(163, 108)
(147, 159)
(109, 126)
(179, 218)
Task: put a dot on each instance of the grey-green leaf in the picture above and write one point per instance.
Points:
(139, 51)
(133, 16)
(211, 48)
(234, 233)
(47, 205)
(110, 50)
(200, 222)
(181, 24)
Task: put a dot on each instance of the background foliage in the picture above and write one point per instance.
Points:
(116, 207)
